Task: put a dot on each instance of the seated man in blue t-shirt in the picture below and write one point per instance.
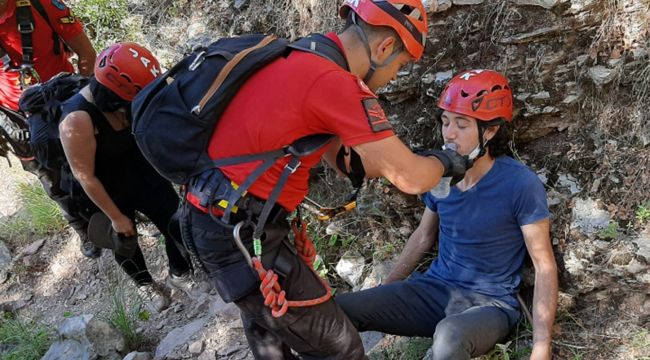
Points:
(467, 298)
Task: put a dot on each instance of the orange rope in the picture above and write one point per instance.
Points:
(303, 243)
(274, 296)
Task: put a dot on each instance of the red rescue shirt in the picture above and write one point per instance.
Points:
(290, 98)
(46, 63)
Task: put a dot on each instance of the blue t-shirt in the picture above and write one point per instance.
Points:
(481, 246)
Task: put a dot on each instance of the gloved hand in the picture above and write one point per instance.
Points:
(455, 164)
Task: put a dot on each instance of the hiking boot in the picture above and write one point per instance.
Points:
(87, 247)
(155, 295)
(183, 282)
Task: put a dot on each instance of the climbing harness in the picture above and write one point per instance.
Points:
(274, 296)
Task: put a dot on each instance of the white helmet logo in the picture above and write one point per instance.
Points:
(468, 75)
(354, 3)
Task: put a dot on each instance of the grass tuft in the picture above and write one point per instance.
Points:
(125, 310)
(23, 340)
(40, 215)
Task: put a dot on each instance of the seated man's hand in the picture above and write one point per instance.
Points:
(541, 352)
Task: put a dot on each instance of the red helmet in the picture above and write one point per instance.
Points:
(481, 94)
(125, 68)
(407, 17)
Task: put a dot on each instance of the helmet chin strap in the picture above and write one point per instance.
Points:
(364, 39)
(481, 140)
(475, 153)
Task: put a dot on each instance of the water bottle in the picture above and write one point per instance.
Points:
(443, 188)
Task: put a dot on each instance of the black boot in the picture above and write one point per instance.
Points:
(87, 247)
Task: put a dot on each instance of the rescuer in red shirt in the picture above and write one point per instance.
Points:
(295, 96)
(35, 42)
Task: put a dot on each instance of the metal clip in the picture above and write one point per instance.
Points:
(198, 60)
(239, 243)
(26, 28)
(293, 168)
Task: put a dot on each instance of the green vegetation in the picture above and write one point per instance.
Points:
(641, 344)
(611, 232)
(410, 349)
(40, 215)
(104, 20)
(125, 310)
(44, 213)
(642, 213)
(24, 340)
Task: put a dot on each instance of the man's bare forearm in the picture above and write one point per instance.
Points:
(544, 304)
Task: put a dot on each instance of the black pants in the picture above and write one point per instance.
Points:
(154, 197)
(463, 323)
(318, 332)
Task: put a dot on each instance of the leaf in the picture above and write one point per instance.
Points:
(333, 240)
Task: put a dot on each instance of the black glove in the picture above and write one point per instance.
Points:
(455, 164)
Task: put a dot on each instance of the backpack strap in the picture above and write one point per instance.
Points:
(25, 21)
(299, 148)
(56, 39)
(26, 26)
(323, 46)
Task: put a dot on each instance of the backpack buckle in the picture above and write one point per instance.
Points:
(293, 165)
(198, 60)
(25, 28)
(28, 76)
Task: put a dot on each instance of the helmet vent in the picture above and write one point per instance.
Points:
(102, 62)
(410, 11)
(464, 94)
(126, 77)
(482, 92)
(496, 87)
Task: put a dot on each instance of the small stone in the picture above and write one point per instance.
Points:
(208, 355)
(570, 99)
(582, 59)
(240, 4)
(643, 246)
(434, 6)
(602, 75)
(138, 356)
(428, 78)
(33, 248)
(229, 350)
(467, 2)
(540, 97)
(444, 76)
(546, 4)
(588, 217)
(612, 63)
(550, 110)
(350, 268)
(522, 96)
(196, 347)
(636, 267)
(639, 53)
(5, 257)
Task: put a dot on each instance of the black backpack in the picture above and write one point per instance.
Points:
(42, 104)
(174, 117)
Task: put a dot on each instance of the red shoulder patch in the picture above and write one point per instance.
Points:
(376, 115)
(365, 87)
